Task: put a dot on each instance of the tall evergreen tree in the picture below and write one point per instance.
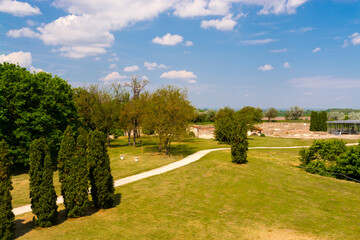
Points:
(7, 226)
(239, 145)
(65, 158)
(78, 196)
(42, 192)
(101, 180)
(313, 121)
(323, 124)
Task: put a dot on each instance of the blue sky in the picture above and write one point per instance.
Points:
(235, 53)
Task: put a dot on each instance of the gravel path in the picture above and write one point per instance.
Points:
(185, 161)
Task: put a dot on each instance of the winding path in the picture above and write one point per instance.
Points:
(185, 161)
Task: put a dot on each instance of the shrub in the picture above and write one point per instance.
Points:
(42, 193)
(262, 135)
(7, 226)
(239, 145)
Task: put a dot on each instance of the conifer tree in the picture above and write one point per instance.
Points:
(313, 121)
(78, 196)
(42, 193)
(65, 158)
(101, 180)
(323, 119)
(239, 144)
(7, 226)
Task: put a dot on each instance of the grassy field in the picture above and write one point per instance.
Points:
(268, 198)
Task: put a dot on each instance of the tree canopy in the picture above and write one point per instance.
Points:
(271, 113)
(32, 106)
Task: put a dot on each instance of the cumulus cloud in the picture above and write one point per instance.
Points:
(188, 43)
(286, 65)
(325, 82)
(259, 41)
(266, 67)
(181, 75)
(24, 59)
(355, 39)
(23, 32)
(112, 66)
(19, 9)
(281, 6)
(33, 69)
(131, 68)
(112, 77)
(279, 50)
(225, 24)
(153, 66)
(168, 39)
(316, 50)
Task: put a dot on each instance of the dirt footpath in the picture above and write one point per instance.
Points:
(297, 130)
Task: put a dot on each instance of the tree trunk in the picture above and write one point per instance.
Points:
(134, 137)
(166, 147)
(160, 144)
(129, 137)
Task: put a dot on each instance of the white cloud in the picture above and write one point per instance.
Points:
(131, 68)
(24, 59)
(346, 44)
(259, 41)
(33, 69)
(23, 32)
(19, 9)
(302, 30)
(279, 50)
(112, 66)
(325, 82)
(355, 39)
(188, 43)
(182, 75)
(145, 78)
(195, 8)
(308, 93)
(168, 39)
(162, 66)
(316, 50)
(112, 77)
(281, 6)
(286, 65)
(225, 24)
(31, 22)
(266, 67)
(150, 66)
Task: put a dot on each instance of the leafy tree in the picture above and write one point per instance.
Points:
(294, 113)
(101, 180)
(204, 115)
(336, 116)
(250, 116)
(271, 113)
(78, 199)
(135, 109)
(323, 119)
(33, 105)
(239, 145)
(231, 128)
(7, 217)
(168, 112)
(100, 108)
(354, 116)
(42, 193)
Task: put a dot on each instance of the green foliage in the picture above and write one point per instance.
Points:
(168, 112)
(318, 121)
(77, 198)
(32, 106)
(239, 146)
(336, 116)
(271, 113)
(262, 135)
(332, 158)
(323, 119)
(354, 116)
(313, 121)
(73, 174)
(7, 217)
(101, 180)
(204, 115)
(294, 113)
(250, 116)
(42, 193)
(224, 125)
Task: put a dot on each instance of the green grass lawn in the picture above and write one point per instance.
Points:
(267, 198)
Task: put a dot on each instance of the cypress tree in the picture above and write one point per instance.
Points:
(7, 226)
(101, 180)
(65, 159)
(78, 197)
(313, 120)
(239, 144)
(323, 117)
(42, 192)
